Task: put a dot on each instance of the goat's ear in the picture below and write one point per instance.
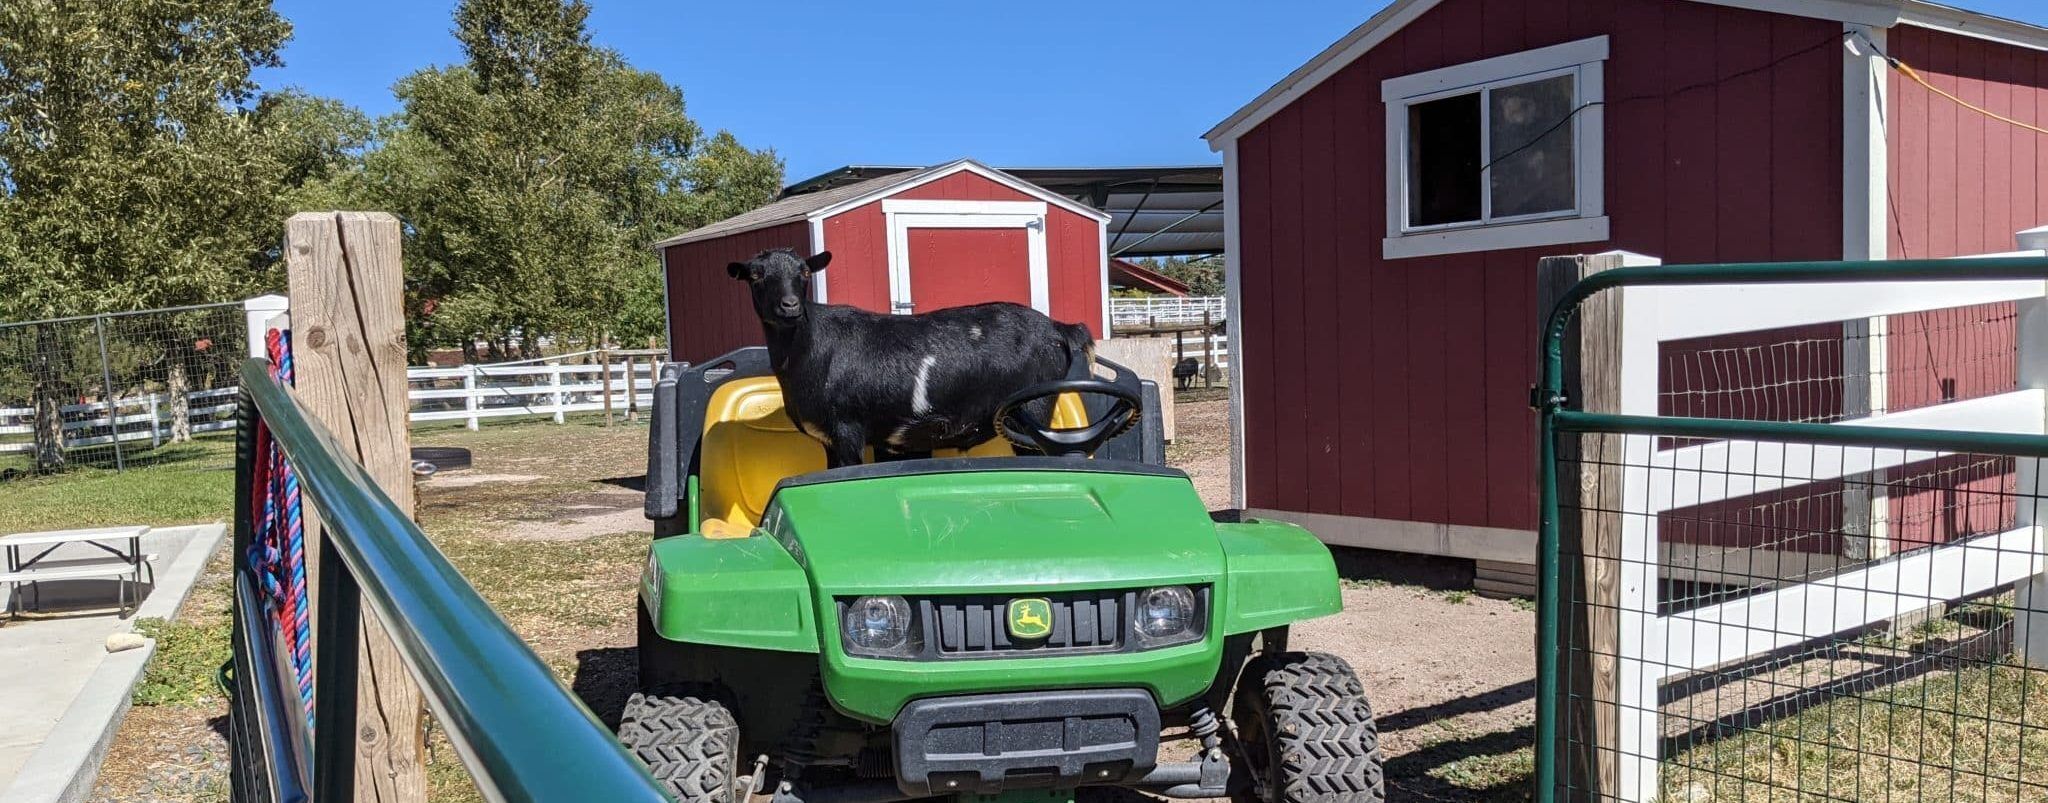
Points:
(818, 261)
(737, 270)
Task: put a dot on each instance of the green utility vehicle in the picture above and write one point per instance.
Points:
(973, 626)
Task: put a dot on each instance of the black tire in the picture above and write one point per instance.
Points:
(688, 740)
(444, 458)
(1305, 726)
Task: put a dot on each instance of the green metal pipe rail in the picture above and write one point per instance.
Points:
(521, 735)
(1556, 417)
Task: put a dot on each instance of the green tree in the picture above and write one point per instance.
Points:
(534, 175)
(140, 166)
(1202, 275)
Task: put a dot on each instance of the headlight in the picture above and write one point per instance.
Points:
(880, 626)
(1166, 614)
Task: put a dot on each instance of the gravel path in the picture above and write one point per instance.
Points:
(1450, 674)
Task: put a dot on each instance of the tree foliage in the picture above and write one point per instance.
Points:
(1202, 275)
(535, 174)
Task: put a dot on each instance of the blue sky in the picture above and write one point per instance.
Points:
(1048, 82)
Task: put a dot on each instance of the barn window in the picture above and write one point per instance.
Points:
(1500, 153)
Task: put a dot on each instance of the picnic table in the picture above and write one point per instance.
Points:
(124, 561)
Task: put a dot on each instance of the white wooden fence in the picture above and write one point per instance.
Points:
(1165, 309)
(471, 393)
(1654, 648)
(136, 418)
(468, 394)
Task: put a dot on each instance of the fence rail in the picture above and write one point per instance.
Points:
(480, 392)
(1760, 686)
(523, 737)
(1166, 309)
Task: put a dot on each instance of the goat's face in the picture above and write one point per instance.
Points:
(779, 282)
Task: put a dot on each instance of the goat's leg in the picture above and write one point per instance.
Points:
(847, 441)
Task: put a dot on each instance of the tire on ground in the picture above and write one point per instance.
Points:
(1308, 730)
(688, 740)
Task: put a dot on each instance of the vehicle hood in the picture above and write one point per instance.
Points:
(999, 531)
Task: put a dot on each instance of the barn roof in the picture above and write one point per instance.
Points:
(1875, 13)
(831, 199)
(792, 208)
(1167, 210)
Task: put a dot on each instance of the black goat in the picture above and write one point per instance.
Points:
(902, 384)
(1184, 372)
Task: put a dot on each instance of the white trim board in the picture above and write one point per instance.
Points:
(1873, 13)
(1233, 299)
(1584, 61)
(819, 278)
(964, 166)
(900, 216)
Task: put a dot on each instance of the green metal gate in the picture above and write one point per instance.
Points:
(1740, 609)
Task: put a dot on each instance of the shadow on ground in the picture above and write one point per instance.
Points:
(605, 677)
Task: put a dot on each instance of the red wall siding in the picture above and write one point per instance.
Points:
(1398, 388)
(709, 312)
(1961, 183)
(859, 241)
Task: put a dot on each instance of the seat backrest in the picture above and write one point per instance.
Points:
(750, 445)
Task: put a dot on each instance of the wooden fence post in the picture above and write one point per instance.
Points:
(348, 344)
(1589, 486)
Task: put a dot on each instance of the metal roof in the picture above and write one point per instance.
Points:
(1171, 210)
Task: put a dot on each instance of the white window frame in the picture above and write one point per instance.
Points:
(904, 215)
(1586, 222)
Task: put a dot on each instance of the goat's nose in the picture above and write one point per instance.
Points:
(790, 302)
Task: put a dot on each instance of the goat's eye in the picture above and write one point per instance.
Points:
(807, 273)
(756, 276)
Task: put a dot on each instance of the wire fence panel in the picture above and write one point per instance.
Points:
(120, 390)
(1758, 664)
(1792, 543)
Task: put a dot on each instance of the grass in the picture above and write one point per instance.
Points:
(570, 600)
(182, 672)
(188, 483)
(1977, 734)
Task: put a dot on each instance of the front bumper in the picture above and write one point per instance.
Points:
(990, 743)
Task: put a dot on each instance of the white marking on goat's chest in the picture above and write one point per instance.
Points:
(816, 433)
(920, 403)
(974, 332)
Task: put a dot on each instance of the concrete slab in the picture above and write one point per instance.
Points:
(60, 716)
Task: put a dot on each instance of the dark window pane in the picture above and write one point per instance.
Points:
(1532, 148)
(1443, 161)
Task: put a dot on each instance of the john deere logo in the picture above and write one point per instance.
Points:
(1030, 618)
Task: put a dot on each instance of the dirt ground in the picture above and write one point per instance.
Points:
(547, 526)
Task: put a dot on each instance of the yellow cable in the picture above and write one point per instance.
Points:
(1909, 72)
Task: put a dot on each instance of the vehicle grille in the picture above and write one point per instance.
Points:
(1082, 621)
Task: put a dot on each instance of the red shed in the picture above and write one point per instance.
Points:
(919, 240)
(1388, 201)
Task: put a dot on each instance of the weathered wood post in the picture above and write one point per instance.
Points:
(1589, 486)
(348, 343)
(632, 391)
(1208, 349)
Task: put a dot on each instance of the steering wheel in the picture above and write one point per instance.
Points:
(1028, 425)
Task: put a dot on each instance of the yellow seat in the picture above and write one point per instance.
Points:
(750, 445)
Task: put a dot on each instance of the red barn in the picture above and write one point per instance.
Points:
(1388, 202)
(917, 240)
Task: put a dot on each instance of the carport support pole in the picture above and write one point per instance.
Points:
(348, 345)
(99, 327)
